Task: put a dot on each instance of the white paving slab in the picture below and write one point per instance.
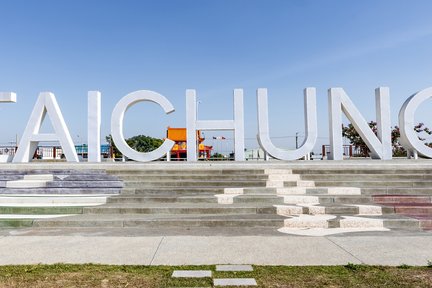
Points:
(235, 282)
(192, 273)
(234, 268)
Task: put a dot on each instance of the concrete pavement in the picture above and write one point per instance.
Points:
(373, 248)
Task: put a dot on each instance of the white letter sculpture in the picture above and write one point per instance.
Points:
(192, 125)
(94, 126)
(310, 127)
(409, 137)
(339, 102)
(8, 97)
(46, 104)
(117, 125)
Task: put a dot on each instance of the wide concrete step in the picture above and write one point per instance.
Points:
(84, 184)
(30, 171)
(400, 199)
(413, 208)
(185, 172)
(263, 199)
(362, 184)
(152, 191)
(396, 190)
(333, 209)
(59, 191)
(52, 200)
(367, 177)
(33, 210)
(177, 208)
(345, 199)
(210, 177)
(162, 199)
(164, 221)
(197, 183)
(86, 177)
(319, 191)
(369, 170)
(391, 221)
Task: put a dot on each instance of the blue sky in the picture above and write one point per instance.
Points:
(118, 47)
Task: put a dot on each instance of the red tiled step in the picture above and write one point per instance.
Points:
(391, 199)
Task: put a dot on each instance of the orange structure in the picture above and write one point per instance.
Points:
(179, 151)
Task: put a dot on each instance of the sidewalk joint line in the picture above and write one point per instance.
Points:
(345, 250)
(157, 249)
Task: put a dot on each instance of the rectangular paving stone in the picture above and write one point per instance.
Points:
(191, 273)
(234, 268)
(235, 282)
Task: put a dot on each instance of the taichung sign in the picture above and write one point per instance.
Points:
(339, 103)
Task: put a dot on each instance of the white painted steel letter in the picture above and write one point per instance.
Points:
(8, 97)
(94, 126)
(45, 104)
(339, 102)
(310, 127)
(192, 125)
(117, 118)
(409, 137)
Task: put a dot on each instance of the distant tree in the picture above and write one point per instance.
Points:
(140, 143)
(143, 143)
(351, 134)
(217, 156)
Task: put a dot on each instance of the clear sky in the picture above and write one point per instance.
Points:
(116, 47)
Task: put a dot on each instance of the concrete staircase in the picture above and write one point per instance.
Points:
(291, 200)
(27, 195)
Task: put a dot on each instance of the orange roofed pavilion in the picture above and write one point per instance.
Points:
(179, 151)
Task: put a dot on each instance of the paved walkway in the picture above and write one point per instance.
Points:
(374, 248)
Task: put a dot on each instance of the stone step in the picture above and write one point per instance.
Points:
(392, 221)
(184, 191)
(40, 210)
(264, 199)
(299, 183)
(362, 184)
(257, 191)
(367, 177)
(412, 208)
(52, 200)
(345, 199)
(369, 170)
(189, 178)
(86, 177)
(31, 171)
(197, 183)
(396, 190)
(398, 199)
(164, 221)
(177, 208)
(59, 191)
(162, 199)
(84, 184)
(25, 184)
(319, 191)
(187, 171)
(333, 209)
(15, 223)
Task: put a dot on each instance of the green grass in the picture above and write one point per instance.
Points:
(89, 275)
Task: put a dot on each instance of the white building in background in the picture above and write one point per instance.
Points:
(254, 154)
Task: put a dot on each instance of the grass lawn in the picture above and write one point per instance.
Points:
(63, 275)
